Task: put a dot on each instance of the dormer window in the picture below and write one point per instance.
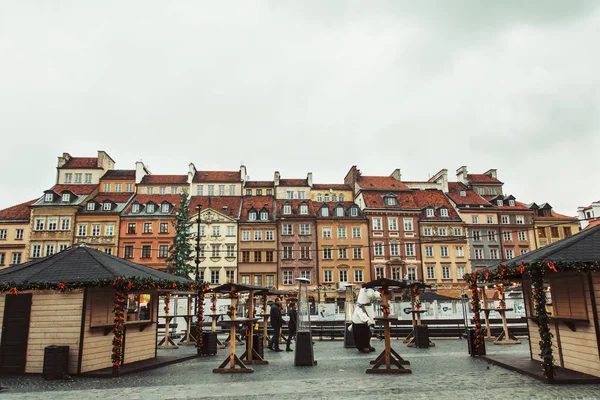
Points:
(339, 211)
(164, 208)
(287, 209)
(354, 212)
(462, 193)
(252, 216)
(325, 212)
(303, 209)
(264, 215)
(91, 206)
(499, 203)
(511, 203)
(66, 197)
(49, 198)
(135, 208)
(429, 212)
(443, 212)
(391, 201)
(150, 208)
(107, 206)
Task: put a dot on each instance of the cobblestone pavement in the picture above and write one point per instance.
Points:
(445, 370)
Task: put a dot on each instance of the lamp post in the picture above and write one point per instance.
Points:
(198, 208)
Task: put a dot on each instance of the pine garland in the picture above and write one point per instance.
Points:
(118, 330)
(539, 302)
(200, 316)
(121, 282)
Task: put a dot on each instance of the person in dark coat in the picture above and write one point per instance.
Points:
(276, 323)
(292, 326)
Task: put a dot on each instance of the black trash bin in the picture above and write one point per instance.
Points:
(421, 336)
(257, 344)
(56, 362)
(474, 351)
(209, 343)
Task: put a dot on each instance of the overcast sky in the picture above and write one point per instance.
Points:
(305, 86)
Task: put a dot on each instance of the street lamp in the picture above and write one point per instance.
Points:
(198, 208)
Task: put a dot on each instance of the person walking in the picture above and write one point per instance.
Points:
(276, 323)
(292, 326)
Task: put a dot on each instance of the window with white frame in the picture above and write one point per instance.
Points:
(412, 273)
(391, 201)
(162, 190)
(211, 190)
(245, 236)
(377, 224)
(326, 232)
(36, 251)
(357, 253)
(19, 234)
(214, 277)
(150, 208)
(358, 275)
(343, 275)
(135, 208)
(378, 249)
(252, 216)
(287, 209)
(288, 277)
(78, 177)
(505, 219)
(394, 249)
(522, 236)
(429, 251)
(52, 224)
(444, 251)
(16, 258)
(520, 219)
(216, 248)
(305, 252)
(479, 254)
(118, 187)
(65, 224)
(460, 252)
(49, 249)
(82, 230)
(443, 232)
(201, 251)
(232, 190)
(147, 227)
(334, 197)
(474, 219)
(107, 206)
(493, 254)
(3, 234)
(216, 230)
(379, 272)
(326, 198)
(410, 249)
(443, 212)
(341, 232)
(66, 197)
(109, 230)
(396, 273)
(199, 190)
(39, 224)
(476, 236)
(327, 253)
(230, 250)
(287, 252)
(303, 209)
(491, 236)
(230, 230)
(499, 203)
(325, 212)
(269, 192)
(430, 272)
(319, 197)
(342, 253)
(287, 230)
(95, 229)
(429, 212)
(408, 224)
(490, 219)
(301, 194)
(289, 195)
(88, 178)
(354, 212)
(427, 232)
(91, 206)
(269, 235)
(509, 254)
(507, 236)
(165, 208)
(393, 224)
(460, 270)
(457, 231)
(68, 177)
(62, 246)
(264, 215)
(129, 187)
(355, 232)
(524, 251)
(445, 272)
(150, 190)
(304, 229)
(305, 275)
(258, 235)
(327, 276)
(339, 211)
(511, 203)
(49, 197)
(163, 251)
(221, 190)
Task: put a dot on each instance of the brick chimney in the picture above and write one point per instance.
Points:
(397, 175)
(461, 175)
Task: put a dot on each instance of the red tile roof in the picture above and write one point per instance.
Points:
(156, 199)
(481, 178)
(217, 176)
(164, 179)
(232, 204)
(347, 204)
(436, 199)
(381, 182)
(518, 205)
(258, 203)
(375, 200)
(82, 162)
(592, 223)
(112, 196)
(334, 186)
(119, 174)
(258, 184)
(293, 182)
(470, 197)
(76, 189)
(20, 212)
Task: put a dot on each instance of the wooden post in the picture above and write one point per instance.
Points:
(265, 318)
(232, 333)
(214, 307)
(412, 306)
(386, 331)
(251, 327)
(486, 315)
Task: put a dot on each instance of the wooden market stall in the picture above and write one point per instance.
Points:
(102, 307)
(565, 338)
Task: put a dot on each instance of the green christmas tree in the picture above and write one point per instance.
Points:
(180, 253)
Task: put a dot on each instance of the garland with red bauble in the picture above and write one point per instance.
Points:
(202, 289)
(118, 330)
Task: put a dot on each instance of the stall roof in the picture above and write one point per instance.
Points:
(81, 264)
(393, 283)
(430, 296)
(238, 287)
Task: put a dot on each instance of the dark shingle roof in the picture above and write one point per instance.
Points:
(80, 264)
(582, 247)
(119, 174)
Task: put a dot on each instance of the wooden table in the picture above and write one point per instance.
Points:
(388, 356)
(167, 342)
(251, 356)
(236, 365)
(506, 336)
(416, 318)
(189, 337)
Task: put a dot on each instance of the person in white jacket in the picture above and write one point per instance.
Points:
(363, 319)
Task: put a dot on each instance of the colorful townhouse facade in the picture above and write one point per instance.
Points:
(14, 234)
(550, 226)
(258, 240)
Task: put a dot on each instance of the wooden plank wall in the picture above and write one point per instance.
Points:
(2, 301)
(55, 320)
(142, 345)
